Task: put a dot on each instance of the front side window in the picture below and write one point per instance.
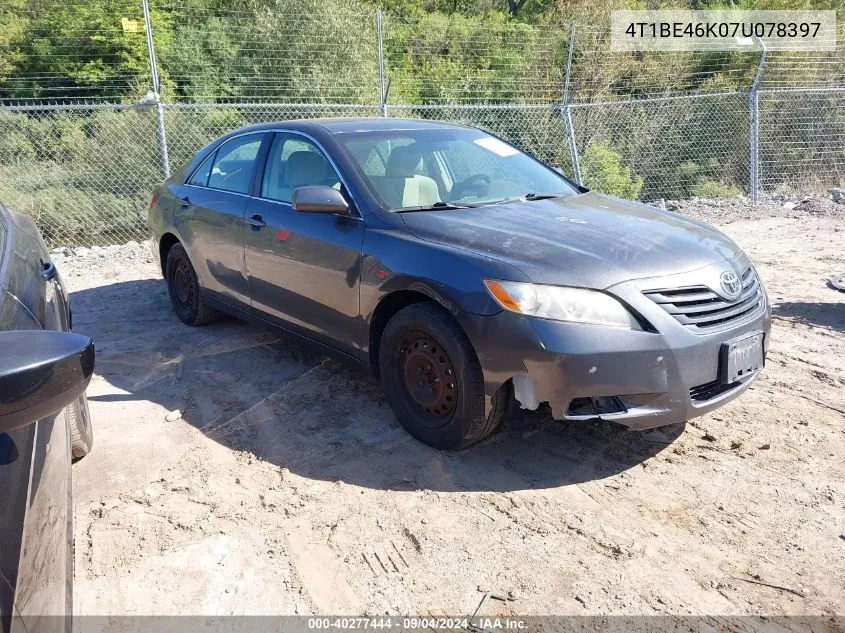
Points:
(295, 161)
(233, 164)
(421, 168)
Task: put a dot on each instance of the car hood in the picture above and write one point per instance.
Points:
(587, 240)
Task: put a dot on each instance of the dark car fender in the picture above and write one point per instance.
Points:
(18, 271)
(397, 268)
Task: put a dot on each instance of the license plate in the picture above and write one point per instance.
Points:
(741, 358)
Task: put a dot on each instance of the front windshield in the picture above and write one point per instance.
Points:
(417, 169)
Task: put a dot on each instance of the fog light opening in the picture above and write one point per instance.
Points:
(597, 405)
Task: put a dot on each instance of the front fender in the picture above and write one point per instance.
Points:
(394, 260)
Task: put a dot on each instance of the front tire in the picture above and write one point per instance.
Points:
(184, 289)
(433, 381)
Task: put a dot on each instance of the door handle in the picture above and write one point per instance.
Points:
(184, 202)
(256, 222)
(48, 270)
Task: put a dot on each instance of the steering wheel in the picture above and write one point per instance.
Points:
(476, 181)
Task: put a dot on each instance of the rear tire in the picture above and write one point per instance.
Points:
(81, 431)
(433, 381)
(184, 289)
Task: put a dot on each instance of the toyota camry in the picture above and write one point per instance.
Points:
(469, 276)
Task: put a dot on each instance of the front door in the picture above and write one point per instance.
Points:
(303, 268)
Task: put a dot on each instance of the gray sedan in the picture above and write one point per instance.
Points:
(471, 277)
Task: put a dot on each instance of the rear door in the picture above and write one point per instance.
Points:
(211, 216)
(303, 268)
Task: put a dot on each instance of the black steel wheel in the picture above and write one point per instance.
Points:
(433, 381)
(429, 377)
(184, 289)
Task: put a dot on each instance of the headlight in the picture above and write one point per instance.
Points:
(561, 304)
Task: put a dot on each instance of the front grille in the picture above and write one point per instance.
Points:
(700, 309)
(710, 390)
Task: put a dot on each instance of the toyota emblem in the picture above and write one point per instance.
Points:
(730, 284)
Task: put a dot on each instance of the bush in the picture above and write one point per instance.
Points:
(603, 170)
(715, 189)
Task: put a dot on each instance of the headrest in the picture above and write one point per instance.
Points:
(306, 168)
(404, 161)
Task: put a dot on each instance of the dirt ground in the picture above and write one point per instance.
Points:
(287, 486)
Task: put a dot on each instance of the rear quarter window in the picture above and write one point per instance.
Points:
(200, 177)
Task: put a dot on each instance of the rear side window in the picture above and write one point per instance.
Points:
(234, 162)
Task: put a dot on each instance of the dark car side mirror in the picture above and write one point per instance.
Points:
(319, 199)
(41, 372)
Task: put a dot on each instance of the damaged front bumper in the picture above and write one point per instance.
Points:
(639, 379)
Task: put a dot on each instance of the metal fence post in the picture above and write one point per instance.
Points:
(382, 92)
(567, 107)
(754, 122)
(162, 134)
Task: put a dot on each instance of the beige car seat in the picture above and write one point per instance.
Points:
(301, 169)
(403, 185)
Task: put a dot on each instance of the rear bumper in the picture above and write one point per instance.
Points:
(635, 378)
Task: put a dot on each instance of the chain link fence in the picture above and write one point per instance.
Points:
(663, 126)
(672, 147)
(802, 139)
(85, 172)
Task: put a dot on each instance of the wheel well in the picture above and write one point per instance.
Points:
(165, 244)
(387, 307)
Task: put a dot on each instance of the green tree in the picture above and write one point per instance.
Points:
(603, 170)
(72, 50)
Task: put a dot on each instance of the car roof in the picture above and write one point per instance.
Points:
(340, 126)
(347, 125)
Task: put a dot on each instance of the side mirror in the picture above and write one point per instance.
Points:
(319, 199)
(41, 372)
(559, 170)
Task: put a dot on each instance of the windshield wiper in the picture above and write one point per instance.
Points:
(446, 206)
(438, 206)
(542, 196)
(528, 197)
